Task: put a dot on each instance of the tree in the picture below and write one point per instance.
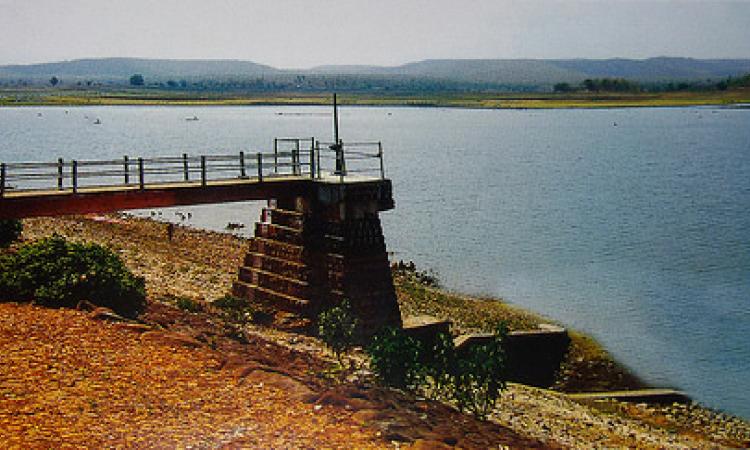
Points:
(53, 81)
(563, 87)
(137, 80)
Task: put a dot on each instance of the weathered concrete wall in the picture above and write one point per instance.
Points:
(533, 357)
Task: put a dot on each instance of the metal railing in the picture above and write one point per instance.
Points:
(291, 157)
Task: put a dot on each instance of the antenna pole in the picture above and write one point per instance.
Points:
(335, 121)
(337, 146)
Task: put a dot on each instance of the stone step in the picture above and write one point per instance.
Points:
(651, 396)
(279, 233)
(254, 293)
(280, 266)
(276, 249)
(291, 219)
(275, 282)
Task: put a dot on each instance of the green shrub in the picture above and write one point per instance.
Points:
(480, 375)
(234, 309)
(230, 302)
(10, 230)
(395, 359)
(440, 367)
(189, 305)
(336, 328)
(57, 273)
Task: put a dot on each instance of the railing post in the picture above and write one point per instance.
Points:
(260, 166)
(75, 176)
(141, 177)
(276, 155)
(59, 174)
(242, 165)
(185, 167)
(342, 167)
(317, 151)
(2, 179)
(203, 170)
(126, 165)
(295, 159)
(380, 156)
(312, 158)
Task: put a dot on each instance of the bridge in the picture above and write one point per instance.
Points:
(318, 242)
(294, 167)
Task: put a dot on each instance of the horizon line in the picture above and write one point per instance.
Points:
(60, 61)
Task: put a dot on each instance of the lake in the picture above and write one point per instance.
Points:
(632, 225)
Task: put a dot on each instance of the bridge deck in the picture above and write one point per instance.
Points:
(116, 198)
(80, 187)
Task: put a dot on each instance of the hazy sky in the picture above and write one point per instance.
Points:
(299, 34)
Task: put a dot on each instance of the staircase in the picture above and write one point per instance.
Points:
(305, 259)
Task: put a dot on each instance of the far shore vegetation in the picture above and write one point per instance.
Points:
(590, 93)
(553, 100)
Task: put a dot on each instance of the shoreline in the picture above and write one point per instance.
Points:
(200, 265)
(539, 101)
(588, 367)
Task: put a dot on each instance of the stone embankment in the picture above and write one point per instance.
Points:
(201, 266)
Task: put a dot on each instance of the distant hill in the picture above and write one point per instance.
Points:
(501, 71)
(457, 73)
(116, 68)
(657, 69)
(541, 71)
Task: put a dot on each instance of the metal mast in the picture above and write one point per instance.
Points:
(337, 146)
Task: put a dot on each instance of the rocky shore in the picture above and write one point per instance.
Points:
(201, 265)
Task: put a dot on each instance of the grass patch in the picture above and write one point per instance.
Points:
(469, 314)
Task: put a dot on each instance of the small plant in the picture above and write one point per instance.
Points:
(58, 273)
(336, 328)
(189, 305)
(234, 309)
(229, 302)
(10, 231)
(440, 367)
(428, 278)
(394, 357)
(480, 375)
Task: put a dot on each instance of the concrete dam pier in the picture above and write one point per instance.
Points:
(310, 252)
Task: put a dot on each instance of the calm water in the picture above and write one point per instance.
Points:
(632, 225)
